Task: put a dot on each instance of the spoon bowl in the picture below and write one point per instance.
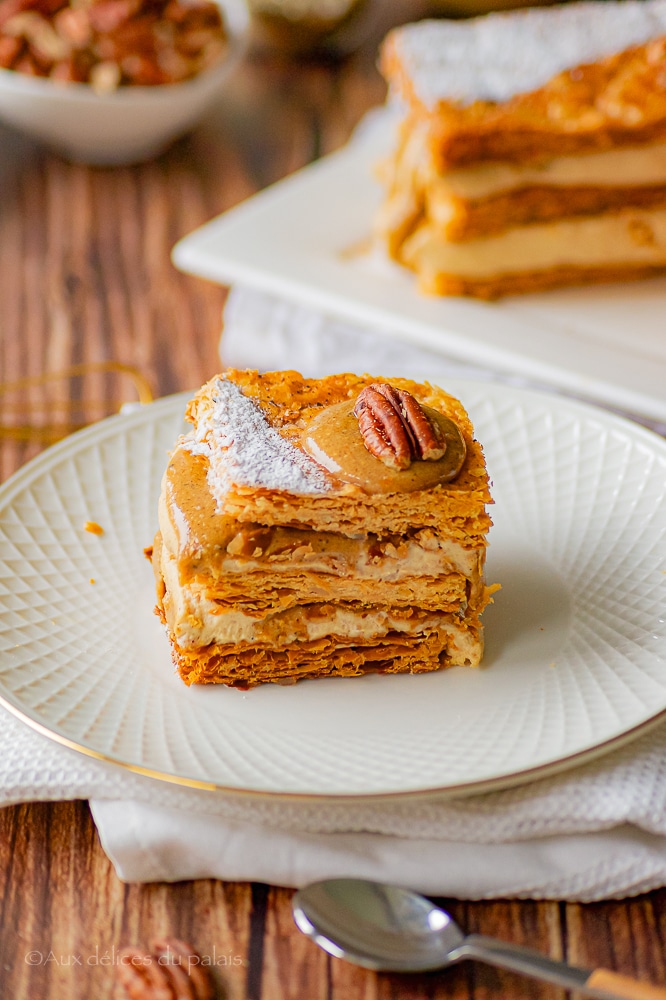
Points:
(386, 928)
(375, 926)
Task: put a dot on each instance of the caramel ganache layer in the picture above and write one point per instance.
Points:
(316, 527)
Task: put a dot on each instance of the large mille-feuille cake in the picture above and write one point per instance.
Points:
(533, 149)
(317, 527)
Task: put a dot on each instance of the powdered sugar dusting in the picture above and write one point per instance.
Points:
(494, 57)
(243, 449)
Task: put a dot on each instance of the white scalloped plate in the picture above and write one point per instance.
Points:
(576, 639)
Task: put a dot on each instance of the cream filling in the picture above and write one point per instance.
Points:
(638, 166)
(390, 565)
(204, 624)
(426, 554)
(630, 238)
(197, 621)
(411, 175)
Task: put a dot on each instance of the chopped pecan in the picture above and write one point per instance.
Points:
(395, 428)
(10, 49)
(105, 77)
(73, 24)
(107, 15)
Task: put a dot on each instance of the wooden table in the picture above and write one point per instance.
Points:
(85, 276)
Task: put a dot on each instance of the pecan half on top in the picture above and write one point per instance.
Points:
(395, 428)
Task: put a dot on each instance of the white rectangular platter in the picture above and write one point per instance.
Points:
(298, 239)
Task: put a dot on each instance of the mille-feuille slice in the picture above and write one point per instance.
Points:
(518, 123)
(287, 548)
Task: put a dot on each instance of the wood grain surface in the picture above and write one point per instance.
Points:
(85, 276)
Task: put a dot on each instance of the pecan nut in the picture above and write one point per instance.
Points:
(171, 969)
(395, 428)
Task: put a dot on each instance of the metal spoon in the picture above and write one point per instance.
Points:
(389, 929)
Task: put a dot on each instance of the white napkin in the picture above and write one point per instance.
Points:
(595, 832)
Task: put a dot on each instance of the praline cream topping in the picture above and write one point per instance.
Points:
(495, 57)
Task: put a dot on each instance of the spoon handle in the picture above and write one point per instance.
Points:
(600, 983)
(623, 986)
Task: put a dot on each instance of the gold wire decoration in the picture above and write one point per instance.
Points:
(69, 414)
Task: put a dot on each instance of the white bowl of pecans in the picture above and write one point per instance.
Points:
(114, 81)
